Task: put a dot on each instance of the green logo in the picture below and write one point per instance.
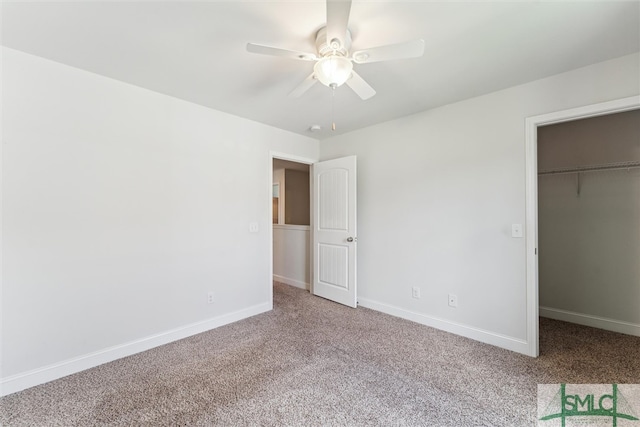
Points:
(565, 405)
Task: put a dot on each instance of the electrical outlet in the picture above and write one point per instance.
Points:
(415, 292)
(210, 298)
(516, 230)
(453, 300)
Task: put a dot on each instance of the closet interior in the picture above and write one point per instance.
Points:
(589, 221)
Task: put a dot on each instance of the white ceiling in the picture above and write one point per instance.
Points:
(196, 50)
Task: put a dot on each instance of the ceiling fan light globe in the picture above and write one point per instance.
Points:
(333, 70)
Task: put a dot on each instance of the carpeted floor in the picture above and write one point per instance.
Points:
(313, 362)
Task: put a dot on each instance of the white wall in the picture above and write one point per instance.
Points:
(589, 241)
(291, 247)
(122, 209)
(438, 192)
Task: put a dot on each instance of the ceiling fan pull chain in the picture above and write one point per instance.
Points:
(333, 107)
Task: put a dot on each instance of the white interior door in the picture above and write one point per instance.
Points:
(334, 230)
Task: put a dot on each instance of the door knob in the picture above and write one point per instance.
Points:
(352, 239)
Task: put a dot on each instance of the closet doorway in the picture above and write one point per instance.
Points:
(583, 217)
(589, 221)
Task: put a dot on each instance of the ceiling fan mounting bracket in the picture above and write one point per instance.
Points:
(334, 46)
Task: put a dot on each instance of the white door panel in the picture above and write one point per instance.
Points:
(334, 230)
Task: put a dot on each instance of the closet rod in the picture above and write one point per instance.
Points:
(613, 166)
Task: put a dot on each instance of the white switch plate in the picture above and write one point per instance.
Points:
(516, 230)
(253, 227)
(453, 300)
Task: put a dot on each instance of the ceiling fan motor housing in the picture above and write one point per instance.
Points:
(332, 47)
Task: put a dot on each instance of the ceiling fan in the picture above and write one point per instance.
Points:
(334, 60)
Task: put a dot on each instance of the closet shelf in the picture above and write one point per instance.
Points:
(610, 166)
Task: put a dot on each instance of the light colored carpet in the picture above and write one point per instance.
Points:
(313, 362)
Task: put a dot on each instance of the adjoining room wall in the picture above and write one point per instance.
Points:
(589, 226)
(438, 193)
(297, 204)
(122, 210)
(291, 247)
(278, 178)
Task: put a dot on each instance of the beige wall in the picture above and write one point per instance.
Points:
(297, 197)
(604, 139)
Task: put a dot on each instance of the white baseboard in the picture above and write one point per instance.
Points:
(488, 337)
(52, 372)
(291, 282)
(589, 320)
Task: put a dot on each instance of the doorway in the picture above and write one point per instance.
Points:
(291, 223)
(531, 186)
(589, 221)
(329, 239)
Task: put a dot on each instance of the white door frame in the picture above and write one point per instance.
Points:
(531, 195)
(291, 158)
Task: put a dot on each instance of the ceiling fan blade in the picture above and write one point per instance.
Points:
(411, 49)
(337, 21)
(276, 51)
(360, 87)
(304, 86)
